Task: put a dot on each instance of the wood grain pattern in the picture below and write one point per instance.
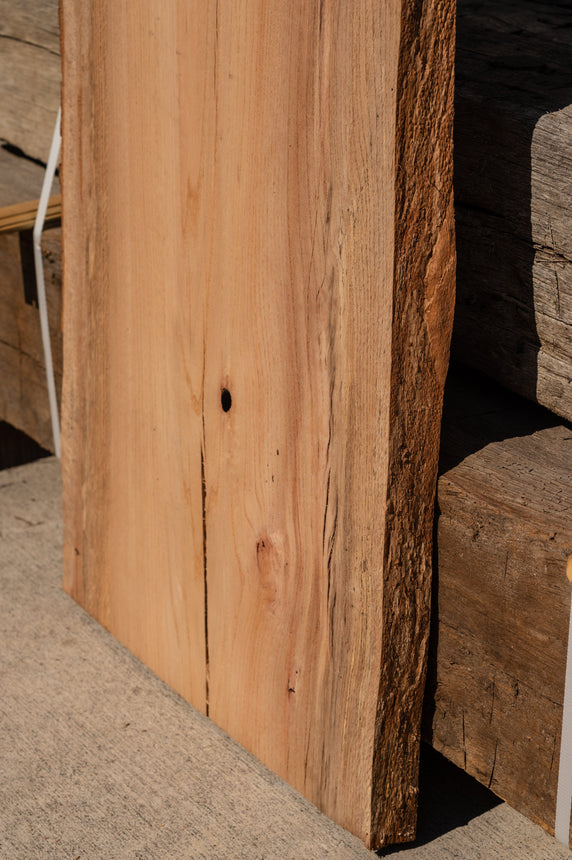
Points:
(497, 665)
(259, 279)
(132, 318)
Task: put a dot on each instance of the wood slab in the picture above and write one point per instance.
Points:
(259, 274)
(502, 597)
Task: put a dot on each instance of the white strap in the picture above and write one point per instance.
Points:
(40, 280)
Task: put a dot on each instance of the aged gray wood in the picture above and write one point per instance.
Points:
(513, 187)
(23, 391)
(29, 99)
(20, 179)
(30, 74)
(496, 683)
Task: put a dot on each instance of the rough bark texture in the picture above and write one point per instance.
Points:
(422, 318)
(498, 656)
(259, 285)
(513, 187)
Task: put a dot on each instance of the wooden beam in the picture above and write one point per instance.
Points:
(30, 70)
(22, 216)
(513, 186)
(23, 393)
(259, 288)
(496, 679)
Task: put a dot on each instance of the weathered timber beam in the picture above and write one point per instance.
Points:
(513, 193)
(30, 71)
(495, 689)
(23, 394)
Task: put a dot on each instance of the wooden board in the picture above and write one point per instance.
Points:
(498, 657)
(259, 286)
(513, 187)
(22, 216)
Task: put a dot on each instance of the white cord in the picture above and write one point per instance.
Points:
(564, 790)
(40, 280)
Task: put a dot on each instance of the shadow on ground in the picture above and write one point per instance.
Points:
(448, 798)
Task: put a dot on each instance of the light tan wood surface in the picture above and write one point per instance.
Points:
(258, 302)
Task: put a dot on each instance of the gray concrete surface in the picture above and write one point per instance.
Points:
(99, 759)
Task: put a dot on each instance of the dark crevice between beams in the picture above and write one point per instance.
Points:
(12, 149)
(31, 44)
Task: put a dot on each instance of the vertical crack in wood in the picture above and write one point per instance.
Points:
(205, 583)
(494, 765)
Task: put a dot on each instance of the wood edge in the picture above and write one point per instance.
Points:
(72, 581)
(424, 257)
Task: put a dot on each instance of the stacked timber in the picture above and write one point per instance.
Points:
(29, 99)
(513, 187)
(494, 702)
(23, 391)
(495, 692)
(496, 680)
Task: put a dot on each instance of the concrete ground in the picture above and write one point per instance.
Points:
(99, 759)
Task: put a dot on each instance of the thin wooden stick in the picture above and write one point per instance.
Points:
(21, 216)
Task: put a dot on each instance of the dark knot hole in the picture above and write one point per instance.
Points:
(225, 399)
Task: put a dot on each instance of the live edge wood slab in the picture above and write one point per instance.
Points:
(259, 275)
